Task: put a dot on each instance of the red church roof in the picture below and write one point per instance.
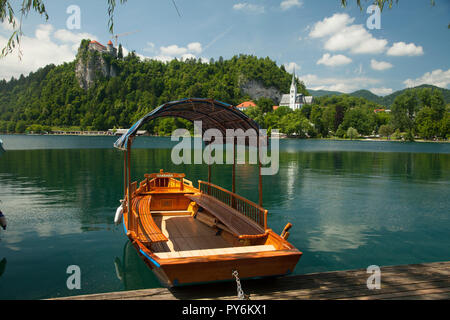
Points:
(246, 104)
(110, 43)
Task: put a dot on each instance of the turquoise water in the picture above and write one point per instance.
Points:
(352, 204)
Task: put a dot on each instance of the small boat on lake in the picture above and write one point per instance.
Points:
(3, 223)
(1, 147)
(190, 235)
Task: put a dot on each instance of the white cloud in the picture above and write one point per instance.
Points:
(381, 91)
(70, 37)
(162, 58)
(403, 49)
(330, 25)
(67, 36)
(291, 66)
(287, 4)
(45, 47)
(43, 32)
(439, 78)
(343, 35)
(176, 51)
(48, 46)
(195, 47)
(173, 50)
(380, 65)
(249, 8)
(333, 61)
(188, 56)
(356, 39)
(126, 52)
(5, 25)
(346, 85)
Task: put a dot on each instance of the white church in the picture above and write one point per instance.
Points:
(295, 100)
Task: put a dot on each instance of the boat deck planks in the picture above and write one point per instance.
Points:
(407, 282)
(198, 236)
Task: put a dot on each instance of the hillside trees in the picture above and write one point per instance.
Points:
(421, 112)
(52, 95)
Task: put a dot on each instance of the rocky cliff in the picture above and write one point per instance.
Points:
(256, 90)
(92, 65)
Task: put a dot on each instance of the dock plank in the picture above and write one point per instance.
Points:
(430, 281)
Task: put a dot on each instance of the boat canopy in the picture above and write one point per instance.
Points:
(213, 114)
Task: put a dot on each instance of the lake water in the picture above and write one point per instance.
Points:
(352, 204)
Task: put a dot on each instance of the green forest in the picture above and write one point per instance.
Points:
(51, 99)
(416, 113)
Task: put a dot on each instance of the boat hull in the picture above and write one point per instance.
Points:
(198, 270)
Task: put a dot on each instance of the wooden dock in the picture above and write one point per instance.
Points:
(430, 281)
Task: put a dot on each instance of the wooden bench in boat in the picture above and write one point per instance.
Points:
(148, 231)
(236, 222)
(214, 252)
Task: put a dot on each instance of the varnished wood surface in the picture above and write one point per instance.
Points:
(430, 281)
(147, 229)
(185, 233)
(239, 224)
(215, 252)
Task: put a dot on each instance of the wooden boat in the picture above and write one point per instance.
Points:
(189, 235)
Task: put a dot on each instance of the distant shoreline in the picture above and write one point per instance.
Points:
(91, 134)
(381, 140)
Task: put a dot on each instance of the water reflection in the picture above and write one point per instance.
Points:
(337, 238)
(3, 266)
(342, 202)
(132, 271)
(402, 165)
(345, 204)
(2, 150)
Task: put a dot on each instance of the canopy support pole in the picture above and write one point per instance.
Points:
(233, 182)
(129, 201)
(260, 189)
(234, 167)
(209, 166)
(125, 177)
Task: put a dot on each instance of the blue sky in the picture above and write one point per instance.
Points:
(330, 47)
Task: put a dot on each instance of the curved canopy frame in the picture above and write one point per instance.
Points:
(213, 114)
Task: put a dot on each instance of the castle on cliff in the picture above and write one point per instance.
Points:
(97, 46)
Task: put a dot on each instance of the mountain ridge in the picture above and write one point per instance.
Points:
(387, 100)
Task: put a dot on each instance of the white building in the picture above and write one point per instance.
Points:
(295, 100)
(246, 105)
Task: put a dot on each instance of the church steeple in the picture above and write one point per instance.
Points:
(293, 94)
(293, 79)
